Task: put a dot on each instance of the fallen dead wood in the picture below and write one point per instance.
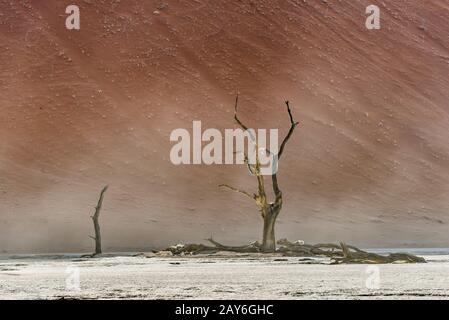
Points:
(191, 249)
(373, 258)
(338, 253)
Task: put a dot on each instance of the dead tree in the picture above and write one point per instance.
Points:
(268, 210)
(95, 217)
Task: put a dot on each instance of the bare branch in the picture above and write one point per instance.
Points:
(293, 125)
(244, 127)
(235, 114)
(290, 113)
(276, 190)
(246, 161)
(100, 203)
(250, 166)
(237, 190)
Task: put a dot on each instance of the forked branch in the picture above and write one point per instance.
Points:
(293, 125)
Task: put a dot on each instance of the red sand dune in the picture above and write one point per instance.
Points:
(79, 109)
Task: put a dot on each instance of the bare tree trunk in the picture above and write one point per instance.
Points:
(269, 241)
(95, 217)
(269, 221)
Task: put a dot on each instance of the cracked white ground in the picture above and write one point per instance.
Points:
(127, 277)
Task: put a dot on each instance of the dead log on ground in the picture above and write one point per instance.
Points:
(359, 256)
(338, 253)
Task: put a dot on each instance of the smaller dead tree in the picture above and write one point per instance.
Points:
(95, 218)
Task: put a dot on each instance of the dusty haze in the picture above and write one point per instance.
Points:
(80, 109)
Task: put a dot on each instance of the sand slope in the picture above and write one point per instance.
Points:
(369, 163)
